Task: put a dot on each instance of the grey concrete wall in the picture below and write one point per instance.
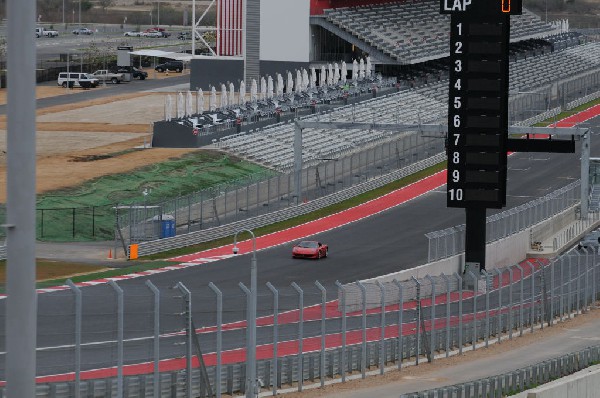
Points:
(583, 384)
(273, 67)
(207, 72)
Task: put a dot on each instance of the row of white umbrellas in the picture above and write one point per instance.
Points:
(269, 88)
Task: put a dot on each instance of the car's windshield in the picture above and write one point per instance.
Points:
(308, 244)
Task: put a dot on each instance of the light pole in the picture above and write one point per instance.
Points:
(252, 390)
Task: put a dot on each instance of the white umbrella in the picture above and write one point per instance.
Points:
(212, 100)
(368, 71)
(344, 72)
(263, 88)
(298, 82)
(168, 107)
(313, 77)
(269, 87)
(253, 91)
(354, 70)
(278, 86)
(223, 96)
(180, 107)
(188, 104)
(305, 81)
(200, 101)
(323, 77)
(242, 97)
(329, 74)
(336, 73)
(361, 69)
(290, 83)
(231, 96)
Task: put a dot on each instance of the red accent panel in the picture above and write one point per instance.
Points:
(317, 6)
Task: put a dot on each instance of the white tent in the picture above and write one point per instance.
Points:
(231, 95)
(180, 107)
(200, 101)
(168, 107)
(290, 83)
(253, 91)
(212, 100)
(269, 87)
(361, 68)
(188, 104)
(242, 97)
(354, 70)
(336, 73)
(344, 73)
(263, 88)
(224, 100)
(323, 77)
(298, 82)
(368, 67)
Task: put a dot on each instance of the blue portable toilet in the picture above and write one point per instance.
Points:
(167, 226)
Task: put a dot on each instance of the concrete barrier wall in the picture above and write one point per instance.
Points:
(545, 231)
(583, 384)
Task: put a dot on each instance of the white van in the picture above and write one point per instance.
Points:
(77, 79)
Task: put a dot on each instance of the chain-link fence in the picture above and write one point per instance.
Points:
(180, 341)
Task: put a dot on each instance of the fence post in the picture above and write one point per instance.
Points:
(344, 320)
(475, 291)
(188, 312)
(156, 347)
(382, 341)
(323, 331)
(119, 292)
(486, 275)
(447, 283)
(249, 375)
(219, 295)
(532, 313)
(510, 303)
(300, 335)
(78, 313)
(363, 354)
(499, 310)
(578, 303)
(400, 311)
(552, 282)
(432, 322)
(418, 320)
(521, 299)
(275, 336)
(459, 281)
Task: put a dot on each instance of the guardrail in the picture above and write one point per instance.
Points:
(193, 238)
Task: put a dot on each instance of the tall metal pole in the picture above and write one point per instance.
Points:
(21, 309)
(252, 390)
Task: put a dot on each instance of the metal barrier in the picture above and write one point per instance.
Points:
(507, 302)
(450, 241)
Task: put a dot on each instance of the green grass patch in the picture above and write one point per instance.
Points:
(86, 212)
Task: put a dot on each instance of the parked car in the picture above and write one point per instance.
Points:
(592, 240)
(134, 33)
(174, 65)
(184, 36)
(77, 79)
(152, 33)
(83, 31)
(43, 32)
(310, 249)
(135, 72)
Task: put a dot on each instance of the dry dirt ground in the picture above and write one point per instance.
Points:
(84, 129)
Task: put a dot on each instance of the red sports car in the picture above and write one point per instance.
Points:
(310, 249)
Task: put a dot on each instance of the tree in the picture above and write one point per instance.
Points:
(106, 3)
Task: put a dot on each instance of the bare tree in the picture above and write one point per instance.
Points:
(105, 4)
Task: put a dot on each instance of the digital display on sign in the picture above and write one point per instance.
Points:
(482, 8)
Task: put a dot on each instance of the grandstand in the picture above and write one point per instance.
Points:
(414, 32)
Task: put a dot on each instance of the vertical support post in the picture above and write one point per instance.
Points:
(475, 291)
(447, 283)
(218, 370)
(298, 162)
(78, 313)
(532, 314)
(585, 174)
(382, 327)
(119, 292)
(459, 281)
(418, 320)
(300, 335)
(188, 341)
(499, 309)
(275, 376)
(562, 288)
(510, 303)
(323, 331)
(363, 354)
(21, 304)
(552, 282)
(342, 289)
(432, 321)
(486, 275)
(578, 303)
(156, 342)
(400, 312)
(521, 299)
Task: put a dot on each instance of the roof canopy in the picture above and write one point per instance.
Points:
(163, 54)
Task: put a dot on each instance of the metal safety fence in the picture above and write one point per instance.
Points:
(133, 340)
(451, 241)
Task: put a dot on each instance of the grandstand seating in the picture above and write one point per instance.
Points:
(415, 31)
(427, 103)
